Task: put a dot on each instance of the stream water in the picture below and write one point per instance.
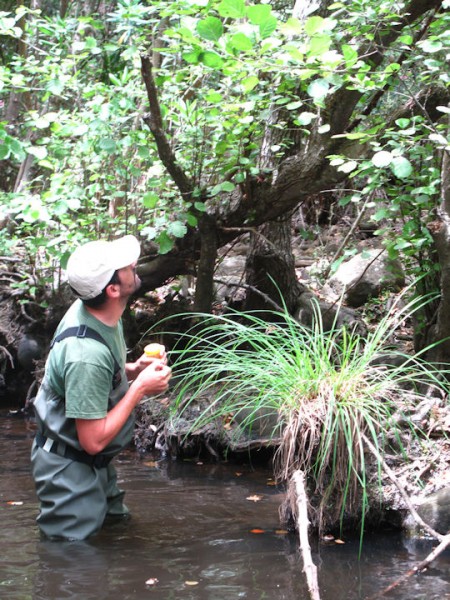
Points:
(197, 532)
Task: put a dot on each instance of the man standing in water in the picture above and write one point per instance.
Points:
(84, 407)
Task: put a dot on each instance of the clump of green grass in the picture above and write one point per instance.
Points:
(325, 391)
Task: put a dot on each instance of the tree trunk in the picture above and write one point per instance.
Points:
(270, 267)
(440, 230)
(204, 289)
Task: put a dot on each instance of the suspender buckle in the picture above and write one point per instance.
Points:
(82, 330)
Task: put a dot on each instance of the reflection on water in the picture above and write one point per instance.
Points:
(191, 534)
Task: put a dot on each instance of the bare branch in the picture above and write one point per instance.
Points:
(154, 121)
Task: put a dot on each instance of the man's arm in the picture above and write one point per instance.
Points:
(95, 434)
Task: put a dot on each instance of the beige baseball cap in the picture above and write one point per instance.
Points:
(92, 265)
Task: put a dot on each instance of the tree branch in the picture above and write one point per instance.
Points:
(155, 123)
(400, 488)
(309, 568)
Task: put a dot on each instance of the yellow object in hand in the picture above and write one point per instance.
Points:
(154, 350)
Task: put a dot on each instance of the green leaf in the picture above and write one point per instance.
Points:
(55, 87)
(314, 25)
(150, 200)
(401, 167)
(16, 148)
(318, 89)
(403, 123)
(214, 97)
(165, 243)
(294, 105)
(192, 57)
(319, 45)
(232, 8)
(382, 159)
(40, 152)
(249, 83)
(267, 27)
(108, 145)
(4, 151)
(259, 13)
(210, 29)
(177, 229)
(350, 54)
(348, 167)
(227, 186)
(431, 46)
(381, 214)
(305, 118)
(211, 59)
(191, 220)
(291, 27)
(241, 42)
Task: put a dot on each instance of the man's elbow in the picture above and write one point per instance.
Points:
(91, 435)
(92, 447)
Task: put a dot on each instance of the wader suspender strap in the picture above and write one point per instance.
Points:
(83, 331)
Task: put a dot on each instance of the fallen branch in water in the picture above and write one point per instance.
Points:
(401, 489)
(309, 568)
(418, 568)
(443, 539)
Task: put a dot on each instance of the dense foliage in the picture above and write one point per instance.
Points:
(242, 87)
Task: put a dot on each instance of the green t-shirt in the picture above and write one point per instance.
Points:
(81, 369)
(78, 381)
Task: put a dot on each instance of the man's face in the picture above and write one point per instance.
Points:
(129, 281)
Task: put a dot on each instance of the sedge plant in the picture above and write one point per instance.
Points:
(324, 391)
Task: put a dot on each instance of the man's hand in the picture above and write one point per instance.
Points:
(133, 369)
(154, 378)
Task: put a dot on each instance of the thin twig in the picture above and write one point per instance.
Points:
(8, 355)
(401, 489)
(309, 568)
(350, 232)
(251, 288)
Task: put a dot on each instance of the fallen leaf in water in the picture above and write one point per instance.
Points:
(337, 541)
(191, 582)
(152, 581)
(13, 503)
(256, 530)
(254, 498)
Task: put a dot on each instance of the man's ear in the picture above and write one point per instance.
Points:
(113, 290)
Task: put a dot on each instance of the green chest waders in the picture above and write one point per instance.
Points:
(76, 490)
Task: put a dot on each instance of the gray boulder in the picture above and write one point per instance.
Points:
(435, 511)
(366, 276)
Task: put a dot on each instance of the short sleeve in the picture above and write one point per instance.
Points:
(87, 389)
